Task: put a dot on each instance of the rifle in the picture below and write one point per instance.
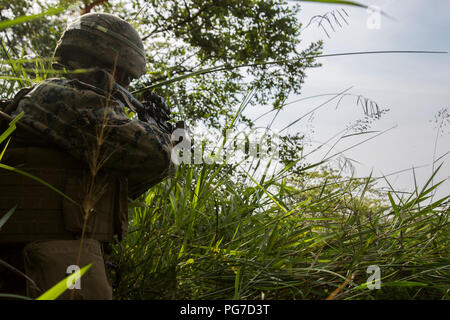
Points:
(153, 109)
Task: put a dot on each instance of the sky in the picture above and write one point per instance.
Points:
(414, 87)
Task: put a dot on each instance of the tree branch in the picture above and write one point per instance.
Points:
(174, 26)
(89, 7)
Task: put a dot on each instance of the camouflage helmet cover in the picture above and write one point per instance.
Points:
(105, 37)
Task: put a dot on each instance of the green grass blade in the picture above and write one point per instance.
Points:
(197, 191)
(227, 67)
(404, 284)
(266, 192)
(237, 284)
(4, 149)
(4, 166)
(11, 127)
(6, 217)
(13, 296)
(61, 286)
(394, 206)
(345, 3)
(23, 19)
(358, 134)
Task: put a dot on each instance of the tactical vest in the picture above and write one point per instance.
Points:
(43, 214)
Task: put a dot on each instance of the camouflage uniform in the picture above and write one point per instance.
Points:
(73, 114)
(87, 148)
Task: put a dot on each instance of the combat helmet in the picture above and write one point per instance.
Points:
(103, 39)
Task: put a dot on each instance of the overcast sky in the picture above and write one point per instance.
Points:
(413, 87)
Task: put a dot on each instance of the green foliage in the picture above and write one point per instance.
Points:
(34, 34)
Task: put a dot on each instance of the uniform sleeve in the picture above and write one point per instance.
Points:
(95, 129)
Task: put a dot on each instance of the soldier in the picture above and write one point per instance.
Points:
(83, 144)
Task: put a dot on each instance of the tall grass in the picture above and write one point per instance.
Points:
(202, 235)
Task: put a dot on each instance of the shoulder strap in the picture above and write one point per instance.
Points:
(12, 105)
